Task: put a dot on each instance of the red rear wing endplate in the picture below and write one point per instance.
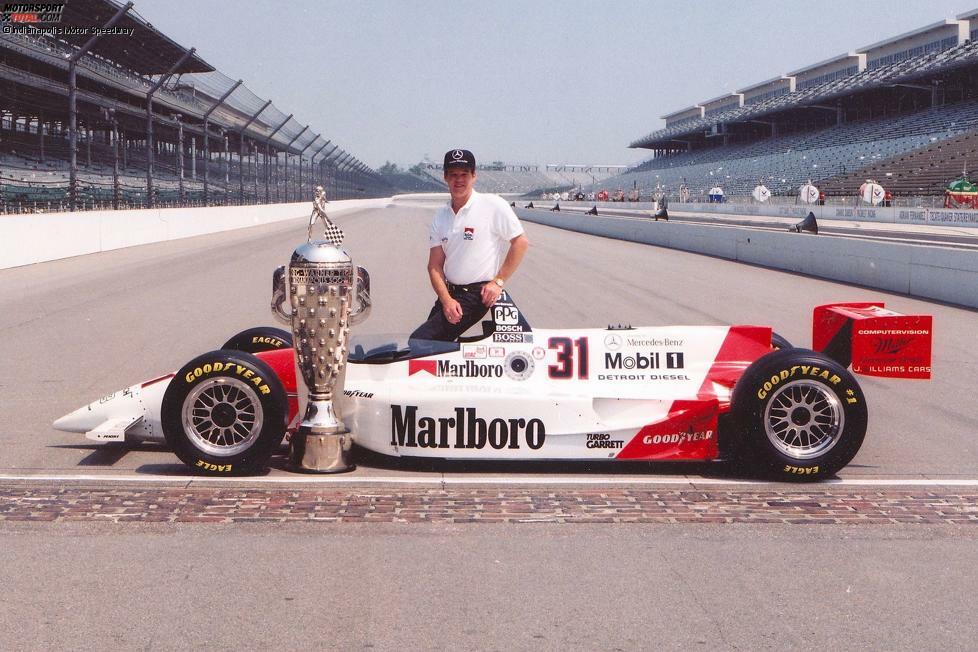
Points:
(876, 341)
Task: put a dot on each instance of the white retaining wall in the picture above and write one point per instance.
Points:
(929, 272)
(895, 214)
(37, 237)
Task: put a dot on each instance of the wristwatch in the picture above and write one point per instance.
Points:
(498, 281)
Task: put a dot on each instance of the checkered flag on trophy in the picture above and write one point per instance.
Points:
(332, 233)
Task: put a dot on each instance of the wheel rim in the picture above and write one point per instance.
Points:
(222, 416)
(804, 419)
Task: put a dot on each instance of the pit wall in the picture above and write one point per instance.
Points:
(894, 215)
(938, 273)
(38, 237)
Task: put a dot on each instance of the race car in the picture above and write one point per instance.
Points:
(674, 393)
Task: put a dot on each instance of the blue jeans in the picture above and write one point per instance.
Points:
(439, 328)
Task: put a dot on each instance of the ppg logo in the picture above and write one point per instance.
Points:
(506, 315)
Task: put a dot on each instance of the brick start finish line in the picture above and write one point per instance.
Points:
(163, 505)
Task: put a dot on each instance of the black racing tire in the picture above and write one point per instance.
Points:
(225, 413)
(779, 342)
(801, 415)
(260, 338)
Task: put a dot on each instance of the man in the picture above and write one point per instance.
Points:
(476, 243)
(660, 208)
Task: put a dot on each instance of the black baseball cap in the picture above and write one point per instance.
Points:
(459, 158)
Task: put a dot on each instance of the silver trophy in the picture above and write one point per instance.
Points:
(323, 285)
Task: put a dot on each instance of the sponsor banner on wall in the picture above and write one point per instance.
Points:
(894, 215)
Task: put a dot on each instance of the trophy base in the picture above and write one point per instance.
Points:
(312, 452)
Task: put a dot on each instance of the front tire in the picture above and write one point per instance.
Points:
(802, 415)
(225, 413)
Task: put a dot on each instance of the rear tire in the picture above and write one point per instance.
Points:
(224, 413)
(778, 342)
(802, 416)
(258, 339)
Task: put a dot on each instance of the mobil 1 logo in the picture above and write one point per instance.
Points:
(651, 360)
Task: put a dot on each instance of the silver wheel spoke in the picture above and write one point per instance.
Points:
(804, 419)
(222, 416)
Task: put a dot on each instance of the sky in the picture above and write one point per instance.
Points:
(520, 81)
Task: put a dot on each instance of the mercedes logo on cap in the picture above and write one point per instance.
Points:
(457, 154)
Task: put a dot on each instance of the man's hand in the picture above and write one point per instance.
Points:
(452, 310)
(490, 293)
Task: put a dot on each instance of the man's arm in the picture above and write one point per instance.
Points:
(517, 249)
(436, 273)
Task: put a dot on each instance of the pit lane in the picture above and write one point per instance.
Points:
(76, 329)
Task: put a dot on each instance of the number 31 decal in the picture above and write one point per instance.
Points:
(565, 357)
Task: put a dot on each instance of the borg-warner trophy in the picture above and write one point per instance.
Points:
(322, 284)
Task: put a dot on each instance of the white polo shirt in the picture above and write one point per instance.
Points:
(476, 239)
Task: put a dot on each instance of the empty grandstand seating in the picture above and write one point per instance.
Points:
(916, 172)
(784, 163)
(194, 106)
(904, 71)
(529, 179)
(907, 118)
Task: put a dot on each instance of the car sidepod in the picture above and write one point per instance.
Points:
(635, 394)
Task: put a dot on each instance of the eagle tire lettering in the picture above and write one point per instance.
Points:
(259, 339)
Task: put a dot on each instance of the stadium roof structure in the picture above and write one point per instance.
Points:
(909, 35)
(824, 62)
(681, 111)
(131, 51)
(745, 89)
(718, 98)
(887, 75)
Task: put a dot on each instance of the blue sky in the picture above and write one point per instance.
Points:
(570, 81)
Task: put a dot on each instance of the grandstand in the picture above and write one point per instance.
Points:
(139, 120)
(512, 179)
(914, 172)
(880, 112)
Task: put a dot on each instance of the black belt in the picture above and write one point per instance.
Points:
(471, 287)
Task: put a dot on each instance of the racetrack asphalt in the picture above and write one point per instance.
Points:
(692, 554)
(76, 329)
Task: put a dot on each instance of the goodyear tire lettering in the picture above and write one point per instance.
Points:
(785, 374)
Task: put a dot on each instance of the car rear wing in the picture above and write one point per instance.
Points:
(874, 340)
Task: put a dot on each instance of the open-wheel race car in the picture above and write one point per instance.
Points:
(673, 393)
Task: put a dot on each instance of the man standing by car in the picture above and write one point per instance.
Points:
(476, 243)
